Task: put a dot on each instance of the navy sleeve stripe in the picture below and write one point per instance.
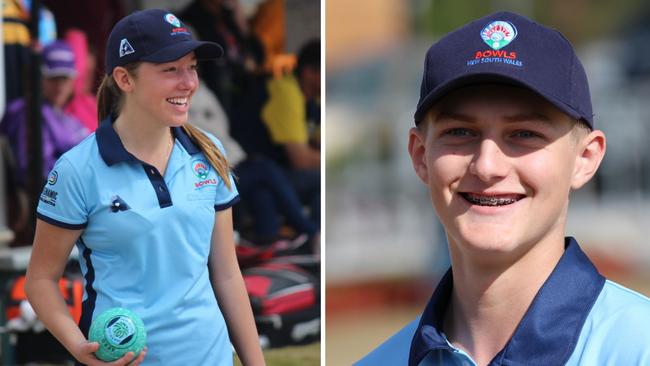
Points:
(226, 205)
(58, 223)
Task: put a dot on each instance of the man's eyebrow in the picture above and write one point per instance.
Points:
(529, 117)
(449, 115)
(453, 116)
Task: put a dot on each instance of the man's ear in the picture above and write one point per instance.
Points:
(590, 153)
(123, 79)
(417, 150)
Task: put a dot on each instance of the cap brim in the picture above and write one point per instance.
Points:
(203, 51)
(58, 72)
(486, 78)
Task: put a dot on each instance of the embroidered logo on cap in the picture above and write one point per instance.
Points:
(498, 34)
(125, 48)
(171, 19)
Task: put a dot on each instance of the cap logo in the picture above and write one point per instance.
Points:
(171, 19)
(498, 34)
(125, 48)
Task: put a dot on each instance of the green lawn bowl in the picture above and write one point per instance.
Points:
(117, 331)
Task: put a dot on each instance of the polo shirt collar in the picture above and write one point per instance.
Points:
(112, 150)
(548, 332)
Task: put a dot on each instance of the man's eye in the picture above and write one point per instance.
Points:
(194, 67)
(526, 134)
(458, 132)
(169, 69)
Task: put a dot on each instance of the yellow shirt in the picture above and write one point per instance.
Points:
(284, 113)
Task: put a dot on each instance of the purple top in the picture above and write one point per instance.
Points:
(61, 132)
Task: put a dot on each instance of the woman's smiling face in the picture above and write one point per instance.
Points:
(165, 90)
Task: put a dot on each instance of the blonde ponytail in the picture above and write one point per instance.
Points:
(210, 150)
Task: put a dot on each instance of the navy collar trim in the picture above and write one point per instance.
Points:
(548, 332)
(112, 150)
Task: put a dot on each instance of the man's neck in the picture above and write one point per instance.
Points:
(489, 301)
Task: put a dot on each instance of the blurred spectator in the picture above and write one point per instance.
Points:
(292, 111)
(292, 116)
(95, 18)
(222, 21)
(60, 130)
(83, 103)
(265, 190)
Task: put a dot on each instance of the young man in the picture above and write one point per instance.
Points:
(504, 132)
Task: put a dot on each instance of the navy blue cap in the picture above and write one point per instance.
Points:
(153, 35)
(507, 48)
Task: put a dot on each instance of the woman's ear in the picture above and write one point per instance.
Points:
(417, 151)
(123, 79)
(590, 153)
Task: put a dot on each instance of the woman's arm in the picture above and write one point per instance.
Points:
(52, 246)
(230, 290)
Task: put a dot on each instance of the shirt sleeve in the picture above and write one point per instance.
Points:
(62, 202)
(225, 197)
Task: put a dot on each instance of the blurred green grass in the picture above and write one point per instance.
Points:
(307, 355)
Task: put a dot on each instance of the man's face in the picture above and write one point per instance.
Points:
(499, 162)
(57, 90)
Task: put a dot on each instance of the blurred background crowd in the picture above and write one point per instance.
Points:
(385, 248)
(261, 99)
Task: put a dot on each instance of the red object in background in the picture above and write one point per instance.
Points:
(71, 289)
(285, 302)
(279, 288)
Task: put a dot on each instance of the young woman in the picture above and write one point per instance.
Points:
(147, 201)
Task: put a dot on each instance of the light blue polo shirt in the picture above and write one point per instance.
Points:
(145, 241)
(577, 318)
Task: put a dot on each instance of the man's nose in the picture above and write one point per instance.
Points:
(489, 162)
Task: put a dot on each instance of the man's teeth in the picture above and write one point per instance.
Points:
(177, 101)
(489, 200)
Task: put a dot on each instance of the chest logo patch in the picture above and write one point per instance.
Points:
(202, 169)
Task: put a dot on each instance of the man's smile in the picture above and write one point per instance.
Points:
(484, 199)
